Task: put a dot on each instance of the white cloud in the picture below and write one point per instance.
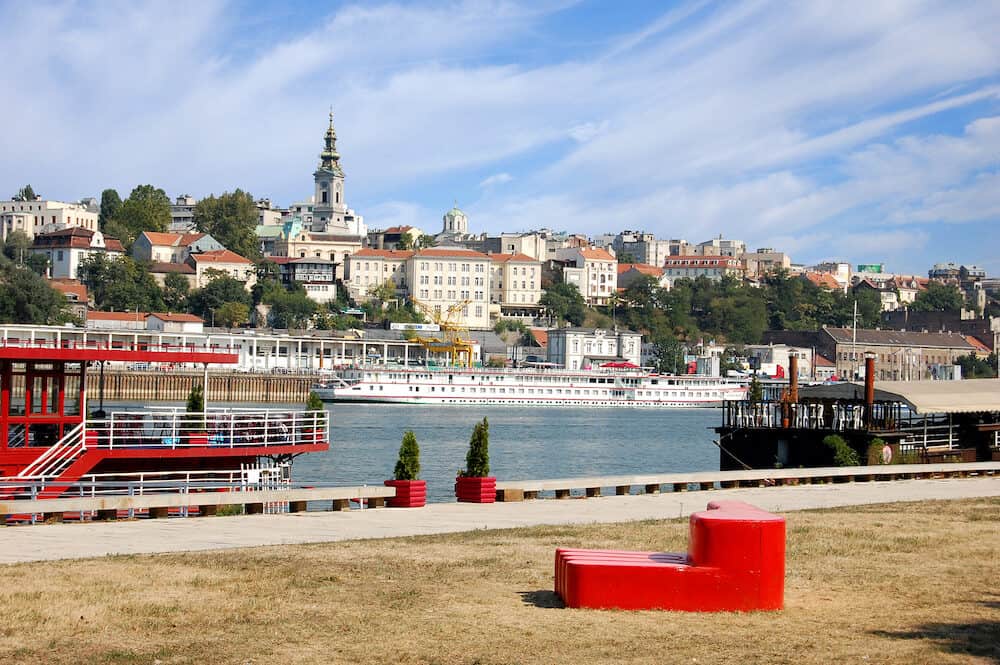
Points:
(496, 179)
(752, 119)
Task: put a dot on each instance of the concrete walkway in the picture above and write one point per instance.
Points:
(71, 541)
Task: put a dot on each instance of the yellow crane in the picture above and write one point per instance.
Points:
(459, 350)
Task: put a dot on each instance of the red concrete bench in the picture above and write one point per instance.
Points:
(735, 562)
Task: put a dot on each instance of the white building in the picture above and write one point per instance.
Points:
(442, 277)
(174, 323)
(42, 216)
(182, 214)
(593, 271)
(692, 267)
(172, 247)
(581, 348)
(67, 248)
(515, 284)
(722, 247)
(222, 261)
(369, 268)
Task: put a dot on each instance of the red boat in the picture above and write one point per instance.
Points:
(50, 446)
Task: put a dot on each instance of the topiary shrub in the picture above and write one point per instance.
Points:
(408, 463)
(843, 454)
(477, 460)
(196, 406)
(314, 403)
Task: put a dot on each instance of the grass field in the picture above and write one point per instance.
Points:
(899, 583)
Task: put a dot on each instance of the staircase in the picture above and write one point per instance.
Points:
(55, 462)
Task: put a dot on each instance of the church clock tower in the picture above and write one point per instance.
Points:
(329, 207)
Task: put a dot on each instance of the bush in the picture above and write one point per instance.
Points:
(843, 454)
(477, 461)
(408, 463)
(875, 452)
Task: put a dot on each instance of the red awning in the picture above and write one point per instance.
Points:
(620, 365)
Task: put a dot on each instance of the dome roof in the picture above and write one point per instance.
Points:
(455, 212)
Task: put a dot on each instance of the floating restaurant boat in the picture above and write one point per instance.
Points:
(610, 385)
(51, 446)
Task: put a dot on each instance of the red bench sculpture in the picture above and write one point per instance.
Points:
(735, 562)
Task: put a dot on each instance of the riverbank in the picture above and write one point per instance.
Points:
(899, 583)
(97, 539)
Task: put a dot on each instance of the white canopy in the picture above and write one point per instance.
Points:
(964, 396)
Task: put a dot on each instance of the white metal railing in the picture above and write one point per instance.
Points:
(56, 458)
(46, 343)
(226, 428)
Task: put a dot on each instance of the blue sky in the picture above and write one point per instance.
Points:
(856, 131)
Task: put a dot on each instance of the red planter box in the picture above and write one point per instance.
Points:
(409, 493)
(476, 490)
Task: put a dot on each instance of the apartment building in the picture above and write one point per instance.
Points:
(692, 267)
(515, 284)
(369, 268)
(442, 277)
(231, 264)
(44, 216)
(594, 271)
(172, 247)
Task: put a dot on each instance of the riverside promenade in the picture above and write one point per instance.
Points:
(72, 541)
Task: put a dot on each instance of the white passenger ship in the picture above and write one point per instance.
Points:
(539, 386)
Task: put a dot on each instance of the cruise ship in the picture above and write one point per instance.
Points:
(614, 385)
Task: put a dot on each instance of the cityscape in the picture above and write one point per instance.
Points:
(500, 331)
(230, 261)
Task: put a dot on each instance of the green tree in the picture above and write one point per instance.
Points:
(668, 353)
(426, 241)
(147, 208)
(26, 193)
(230, 218)
(221, 289)
(17, 247)
(405, 242)
(408, 462)
(120, 284)
(565, 303)
(27, 298)
(938, 297)
(232, 314)
(384, 292)
(175, 292)
(627, 257)
(111, 203)
(477, 460)
(289, 308)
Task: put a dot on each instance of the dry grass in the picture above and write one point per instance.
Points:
(902, 583)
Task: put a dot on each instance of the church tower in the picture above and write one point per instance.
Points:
(455, 222)
(329, 206)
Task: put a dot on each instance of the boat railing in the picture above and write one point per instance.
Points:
(249, 477)
(219, 428)
(124, 345)
(840, 416)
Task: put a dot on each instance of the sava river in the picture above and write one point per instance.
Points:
(525, 443)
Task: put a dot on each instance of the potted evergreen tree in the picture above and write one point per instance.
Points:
(474, 483)
(194, 421)
(313, 430)
(410, 491)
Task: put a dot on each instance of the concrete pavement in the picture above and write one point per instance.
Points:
(72, 541)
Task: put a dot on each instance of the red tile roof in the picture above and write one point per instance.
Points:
(219, 256)
(70, 287)
(507, 258)
(398, 229)
(156, 238)
(113, 245)
(823, 361)
(596, 254)
(161, 267)
(179, 318)
(450, 253)
(399, 254)
(644, 268)
(823, 280)
(979, 346)
(540, 335)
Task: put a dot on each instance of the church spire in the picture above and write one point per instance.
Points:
(330, 158)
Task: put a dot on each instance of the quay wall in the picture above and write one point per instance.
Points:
(175, 386)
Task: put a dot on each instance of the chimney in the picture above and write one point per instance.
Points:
(793, 379)
(869, 387)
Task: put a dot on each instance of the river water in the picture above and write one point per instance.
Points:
(525, 443)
